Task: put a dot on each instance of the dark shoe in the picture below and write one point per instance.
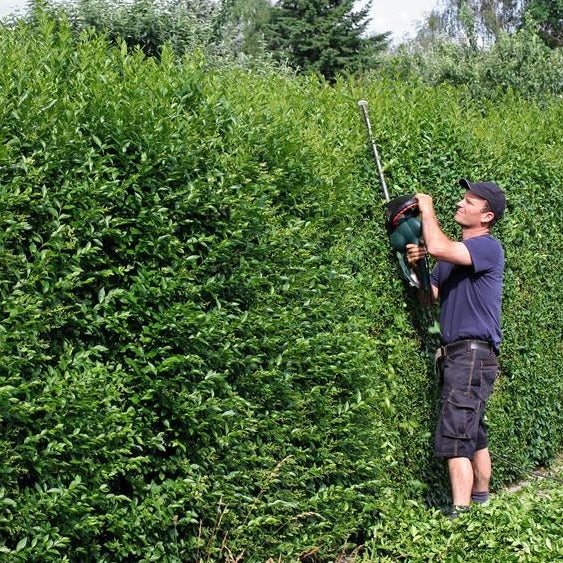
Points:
(457, 511)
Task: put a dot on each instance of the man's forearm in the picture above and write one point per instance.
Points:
(435, 239)
(439, 246)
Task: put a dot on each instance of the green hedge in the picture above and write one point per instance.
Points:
(206, 349)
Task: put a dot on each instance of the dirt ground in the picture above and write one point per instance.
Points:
(553, 472)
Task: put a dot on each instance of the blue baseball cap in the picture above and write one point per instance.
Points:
(489, 191)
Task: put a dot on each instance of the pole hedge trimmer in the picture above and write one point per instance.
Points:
(401, 220)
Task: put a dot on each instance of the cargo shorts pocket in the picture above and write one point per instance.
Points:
(460, 415)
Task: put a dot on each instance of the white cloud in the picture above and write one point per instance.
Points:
(9, 6)
(399, 16)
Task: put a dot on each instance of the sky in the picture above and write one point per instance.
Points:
(397, 16)
(8, 6)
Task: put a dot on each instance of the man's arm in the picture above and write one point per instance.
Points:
(439, 246)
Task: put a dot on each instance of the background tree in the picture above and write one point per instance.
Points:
(184, 24)
(242, 26)
(473, 22)
(549, 16)
(519, 62)
(325, 36)
(480, 23)
(226, 30)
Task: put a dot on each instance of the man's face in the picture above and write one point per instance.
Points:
(471, 211)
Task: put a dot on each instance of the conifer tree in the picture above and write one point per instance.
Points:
(324, 36)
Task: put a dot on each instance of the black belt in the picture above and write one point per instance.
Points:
(467, 345)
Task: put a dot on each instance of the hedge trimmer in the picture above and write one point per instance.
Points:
(401, 220)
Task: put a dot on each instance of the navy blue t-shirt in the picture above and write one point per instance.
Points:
(470, 296)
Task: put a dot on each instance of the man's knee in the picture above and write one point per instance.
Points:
(482, 469)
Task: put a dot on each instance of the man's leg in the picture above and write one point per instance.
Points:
(482, 470)
(461, 479)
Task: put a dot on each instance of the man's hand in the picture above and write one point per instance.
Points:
(415, 253)
(425, 203)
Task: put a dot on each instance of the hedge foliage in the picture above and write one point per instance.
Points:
(206, 348)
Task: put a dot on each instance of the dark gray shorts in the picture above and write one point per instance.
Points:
(468, 378)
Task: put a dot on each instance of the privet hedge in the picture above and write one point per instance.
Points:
(206, 349)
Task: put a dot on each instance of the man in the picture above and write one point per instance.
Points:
(467, 280)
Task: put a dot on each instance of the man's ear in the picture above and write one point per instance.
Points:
(489, 219)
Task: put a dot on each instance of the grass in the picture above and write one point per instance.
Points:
(523, 522)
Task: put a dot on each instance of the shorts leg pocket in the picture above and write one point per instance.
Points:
(489, 370)
(460, 415)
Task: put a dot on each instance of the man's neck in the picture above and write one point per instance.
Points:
(472, 232)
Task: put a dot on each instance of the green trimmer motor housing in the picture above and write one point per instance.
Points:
(404, 227)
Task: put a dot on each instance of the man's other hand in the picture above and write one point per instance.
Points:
(415, 253)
